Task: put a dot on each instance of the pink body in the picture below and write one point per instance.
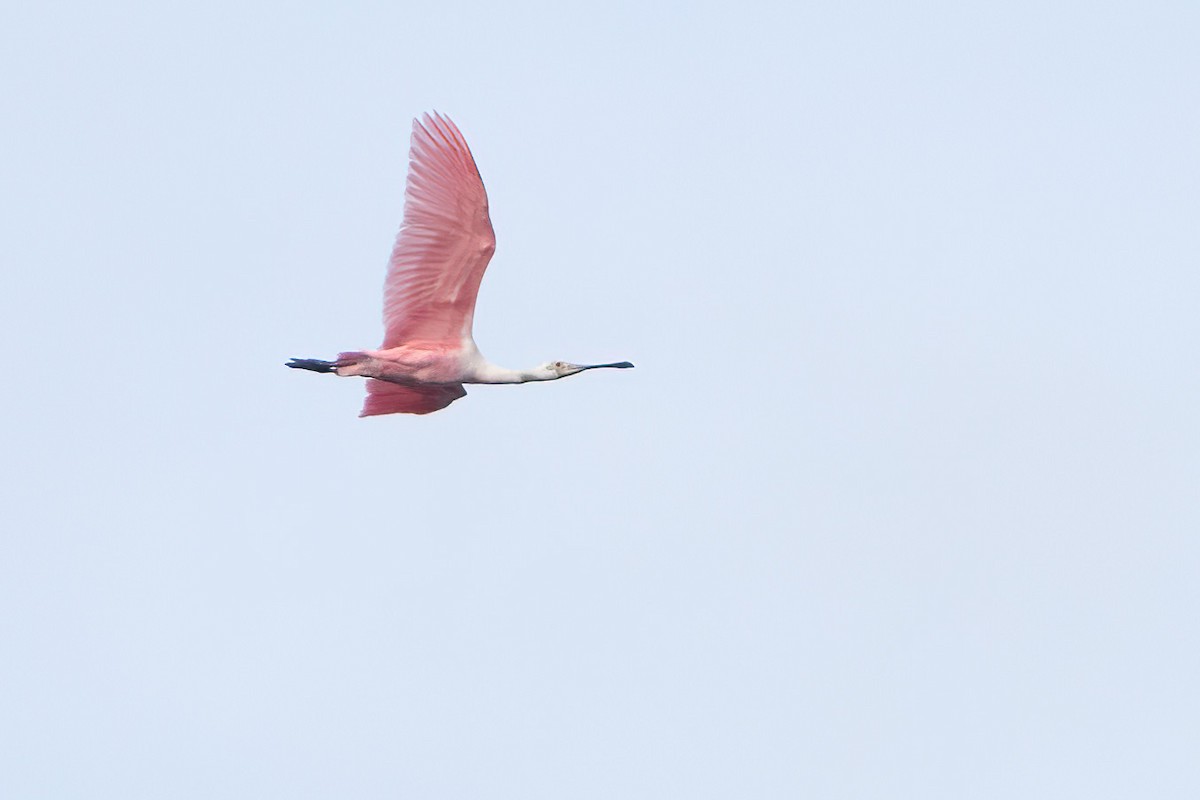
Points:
(433, 278)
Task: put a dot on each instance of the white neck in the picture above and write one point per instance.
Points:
(490, 373)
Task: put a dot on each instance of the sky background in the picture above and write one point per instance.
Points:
(902, 499)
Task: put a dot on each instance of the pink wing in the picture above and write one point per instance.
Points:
(445, 242)
(392, 398)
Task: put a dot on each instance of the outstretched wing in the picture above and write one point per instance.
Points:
(445, 242)
(392, 398)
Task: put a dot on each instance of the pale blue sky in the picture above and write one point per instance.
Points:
(900, 502)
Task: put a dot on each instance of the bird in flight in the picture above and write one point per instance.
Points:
(443, 248)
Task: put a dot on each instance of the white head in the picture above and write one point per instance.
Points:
(554, 370)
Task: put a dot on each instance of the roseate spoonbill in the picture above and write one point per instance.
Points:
(444, 245)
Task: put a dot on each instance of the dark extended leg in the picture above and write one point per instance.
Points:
(316, 365)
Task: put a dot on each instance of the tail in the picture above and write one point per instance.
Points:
(313, 364)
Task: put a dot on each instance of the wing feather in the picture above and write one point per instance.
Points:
(392, 398)
(445, 241)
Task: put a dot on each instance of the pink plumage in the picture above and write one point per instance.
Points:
(441, 253)
(392, 398)
(445, 242)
